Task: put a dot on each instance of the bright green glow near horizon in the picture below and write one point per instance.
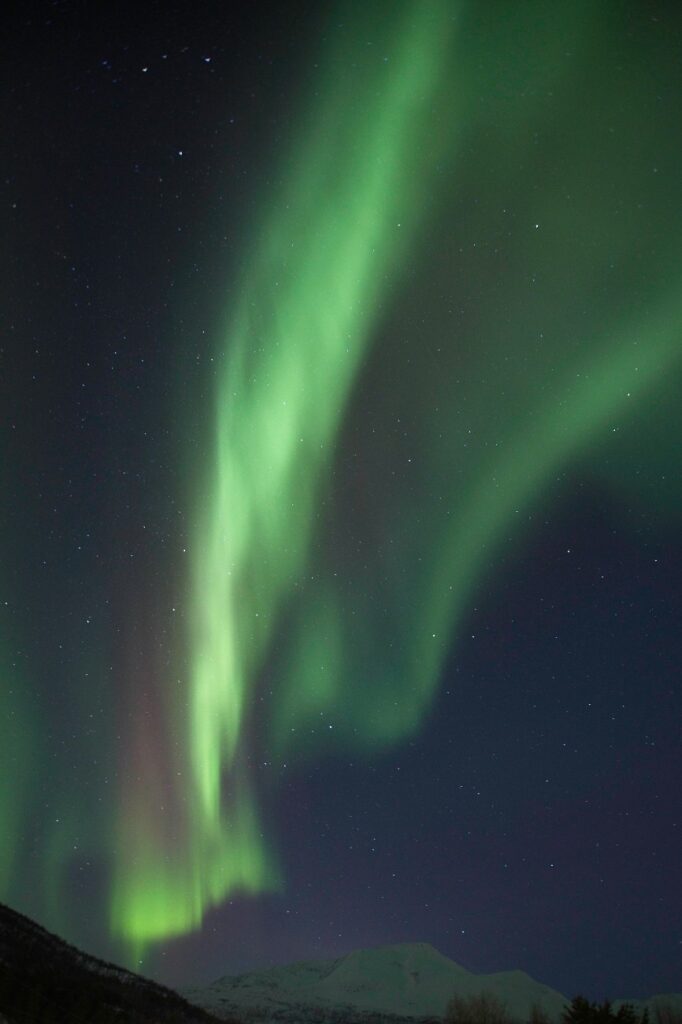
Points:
(167, 895)
(327, 257)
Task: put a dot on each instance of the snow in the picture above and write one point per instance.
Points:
(407, 980)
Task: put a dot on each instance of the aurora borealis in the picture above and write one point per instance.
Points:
(328, 328)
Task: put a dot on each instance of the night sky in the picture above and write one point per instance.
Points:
(340, 588)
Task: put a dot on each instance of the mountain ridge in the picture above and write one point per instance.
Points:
(401, 981)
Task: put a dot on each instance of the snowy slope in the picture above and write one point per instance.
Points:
(411, 980)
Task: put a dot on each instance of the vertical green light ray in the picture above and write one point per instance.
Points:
(328, 254)
(315, 285)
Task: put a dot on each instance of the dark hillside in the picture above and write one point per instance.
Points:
(44, 980)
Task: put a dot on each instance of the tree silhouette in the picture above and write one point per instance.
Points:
(582, 1011)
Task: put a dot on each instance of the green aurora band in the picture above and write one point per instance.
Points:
(351, 623)
(291, 362)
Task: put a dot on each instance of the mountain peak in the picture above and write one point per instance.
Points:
(408, 979)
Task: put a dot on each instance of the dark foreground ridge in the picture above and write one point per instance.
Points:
(44, 980)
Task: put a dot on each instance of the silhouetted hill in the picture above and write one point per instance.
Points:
(44, 980)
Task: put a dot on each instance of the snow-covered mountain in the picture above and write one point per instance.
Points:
(408, 980)
(411, 980)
